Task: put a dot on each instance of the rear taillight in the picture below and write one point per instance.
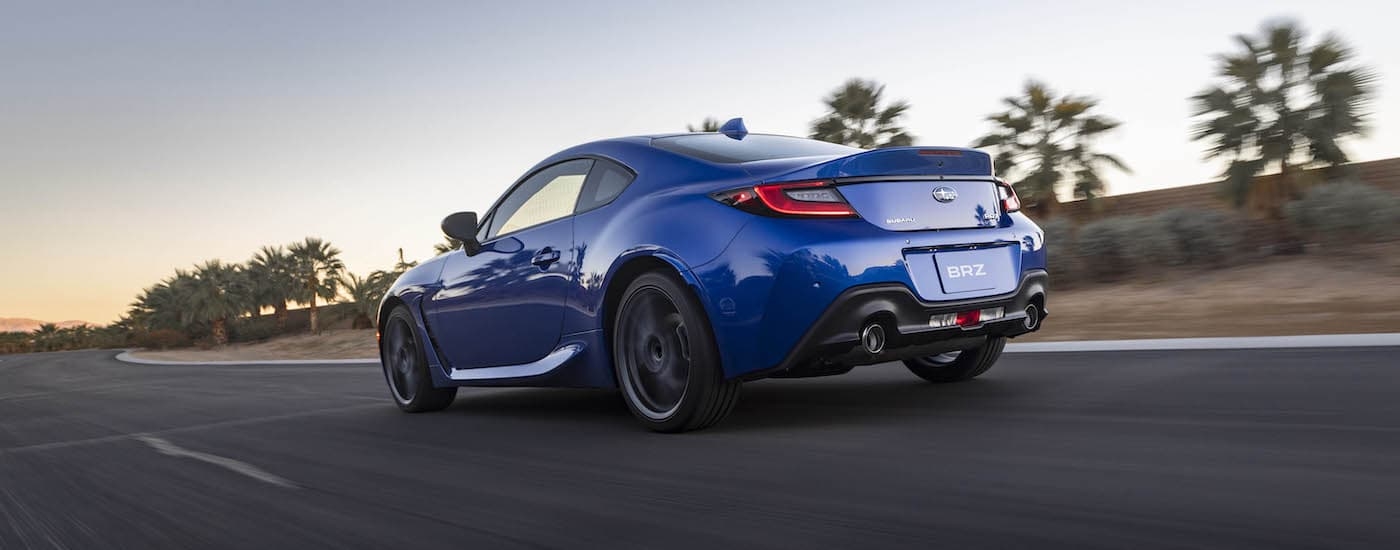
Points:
(804, 199)
(1009, 201)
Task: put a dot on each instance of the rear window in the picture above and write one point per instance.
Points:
(724, 149)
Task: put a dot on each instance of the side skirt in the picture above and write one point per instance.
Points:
(580, 361)
(526, 370)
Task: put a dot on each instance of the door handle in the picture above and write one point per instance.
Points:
(545, 257)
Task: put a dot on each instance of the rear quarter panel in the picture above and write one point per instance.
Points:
(778, 276)
(666, 212)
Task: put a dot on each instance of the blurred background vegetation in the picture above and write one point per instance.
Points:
(1278, 113)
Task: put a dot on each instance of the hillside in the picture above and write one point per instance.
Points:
(19, 324)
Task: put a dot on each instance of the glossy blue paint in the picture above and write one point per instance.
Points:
(734, 128)
(497, 318)
(493, 298)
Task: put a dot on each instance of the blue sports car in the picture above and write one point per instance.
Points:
(677, 267)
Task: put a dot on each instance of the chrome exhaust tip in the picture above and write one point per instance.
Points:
(1032, 319)
(872, 338)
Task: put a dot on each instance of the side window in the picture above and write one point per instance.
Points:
(548, 195)
(605, 183)
(484, 229)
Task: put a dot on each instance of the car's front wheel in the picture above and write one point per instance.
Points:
(665, 357)
(956, 366)
(406, 367)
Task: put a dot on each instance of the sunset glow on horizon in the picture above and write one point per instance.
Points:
(137, 138)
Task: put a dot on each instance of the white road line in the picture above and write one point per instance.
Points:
(40, 447)
(127, 357)
(1251, 342)
(170, 449)
(1159, 344)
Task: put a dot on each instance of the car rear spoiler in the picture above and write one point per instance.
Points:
(896, 161)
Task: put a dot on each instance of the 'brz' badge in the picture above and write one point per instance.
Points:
(945, 194)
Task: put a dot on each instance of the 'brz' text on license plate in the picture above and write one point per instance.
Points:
(967, 270)
(976, 270)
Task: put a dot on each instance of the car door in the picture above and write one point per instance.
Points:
(505, 304)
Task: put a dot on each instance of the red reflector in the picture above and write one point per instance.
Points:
(969, 318)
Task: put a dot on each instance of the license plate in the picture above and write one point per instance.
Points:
(973, 270)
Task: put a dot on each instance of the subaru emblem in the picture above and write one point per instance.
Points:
(945, 194)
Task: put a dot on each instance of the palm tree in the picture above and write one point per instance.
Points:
(1041, 138)
(709, 124)
(162, 306)
(859, 118)
(273, 281)
(213, 297)
(1281, 102)
(366, 292)
(402, 266)
(246, 289)
(317, 266)
(45, 337)
(78, 337)
(448, 245)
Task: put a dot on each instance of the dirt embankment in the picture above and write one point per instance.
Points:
(1312, 294)
(332, 344)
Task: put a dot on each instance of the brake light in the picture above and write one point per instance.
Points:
(1009, 201)
(808, 198)
(968, 318)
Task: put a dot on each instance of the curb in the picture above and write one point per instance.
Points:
(127, 357)
(1158, 344)
(1248, 342)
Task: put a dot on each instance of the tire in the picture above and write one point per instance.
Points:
(665, 357)
(957, 366)
(406, 367)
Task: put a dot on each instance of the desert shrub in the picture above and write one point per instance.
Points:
(1198, 237)
(1346, 211)
(1059, 248)
(252, 330)
(1113, 247)
(110, 338)
(161, 339)
(16, 342)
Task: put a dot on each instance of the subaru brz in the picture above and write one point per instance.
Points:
(677, 267)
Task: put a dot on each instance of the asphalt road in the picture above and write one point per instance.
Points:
(1231, 449)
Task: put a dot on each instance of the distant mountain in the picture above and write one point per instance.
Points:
(9, 324)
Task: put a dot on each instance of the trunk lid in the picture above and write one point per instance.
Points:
(920, 205)
(906, 188)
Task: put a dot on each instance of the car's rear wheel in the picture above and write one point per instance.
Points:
(406, 367)
(665, 357)
(956, 366)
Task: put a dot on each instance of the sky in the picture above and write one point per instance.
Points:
(137, 137)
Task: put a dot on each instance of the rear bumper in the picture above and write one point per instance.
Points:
(833, 343)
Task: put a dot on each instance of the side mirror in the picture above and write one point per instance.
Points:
(463, 226)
